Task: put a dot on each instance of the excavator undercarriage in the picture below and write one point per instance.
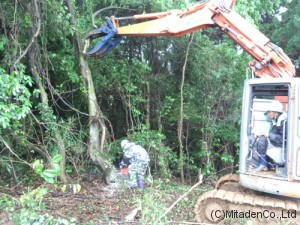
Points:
(230, 203)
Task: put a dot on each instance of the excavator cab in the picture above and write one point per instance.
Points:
(258, 94)
(260, 197)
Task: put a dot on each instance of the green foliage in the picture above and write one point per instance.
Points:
(286, 32)
(212, 93)
(48, 174)
(151, 210)
(65, 65)
(46, 113)
(212, 99)
(6, 203)
(30, 209)
(58, 21)
(3, 42)
(253, 10)
(14, 97)
(154, 202)
(162, 156)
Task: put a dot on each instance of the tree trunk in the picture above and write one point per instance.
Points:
(180, 120)
(96, 123)
(36, 69)
(96, 145)
(148, 104)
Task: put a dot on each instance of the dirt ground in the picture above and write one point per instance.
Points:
(98, 203)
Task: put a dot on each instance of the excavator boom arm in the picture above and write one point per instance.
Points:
(269, 60)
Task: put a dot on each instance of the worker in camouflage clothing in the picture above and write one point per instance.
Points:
(137, 160)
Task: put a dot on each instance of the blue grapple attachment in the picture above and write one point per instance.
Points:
(109, 39)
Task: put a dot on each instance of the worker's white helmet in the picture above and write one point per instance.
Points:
(275, 106)
(124, 143)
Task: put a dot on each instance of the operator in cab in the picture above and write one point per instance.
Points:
(274, 139)
(137, 160)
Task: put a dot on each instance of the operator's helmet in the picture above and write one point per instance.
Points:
(275, 106)
(124, 143)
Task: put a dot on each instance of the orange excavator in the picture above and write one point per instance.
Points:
(251, 196)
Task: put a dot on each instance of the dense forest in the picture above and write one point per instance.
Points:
(63, 115)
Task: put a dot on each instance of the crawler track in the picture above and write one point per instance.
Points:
(237, 206)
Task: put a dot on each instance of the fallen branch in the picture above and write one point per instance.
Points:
(185, 194)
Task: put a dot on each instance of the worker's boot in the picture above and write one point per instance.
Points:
(271, 164)
(140, 184)
(263, 163)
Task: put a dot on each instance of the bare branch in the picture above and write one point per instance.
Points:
(180, 120)
(103, 9)
(10, 149)
(33, 39)
(3, 20)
